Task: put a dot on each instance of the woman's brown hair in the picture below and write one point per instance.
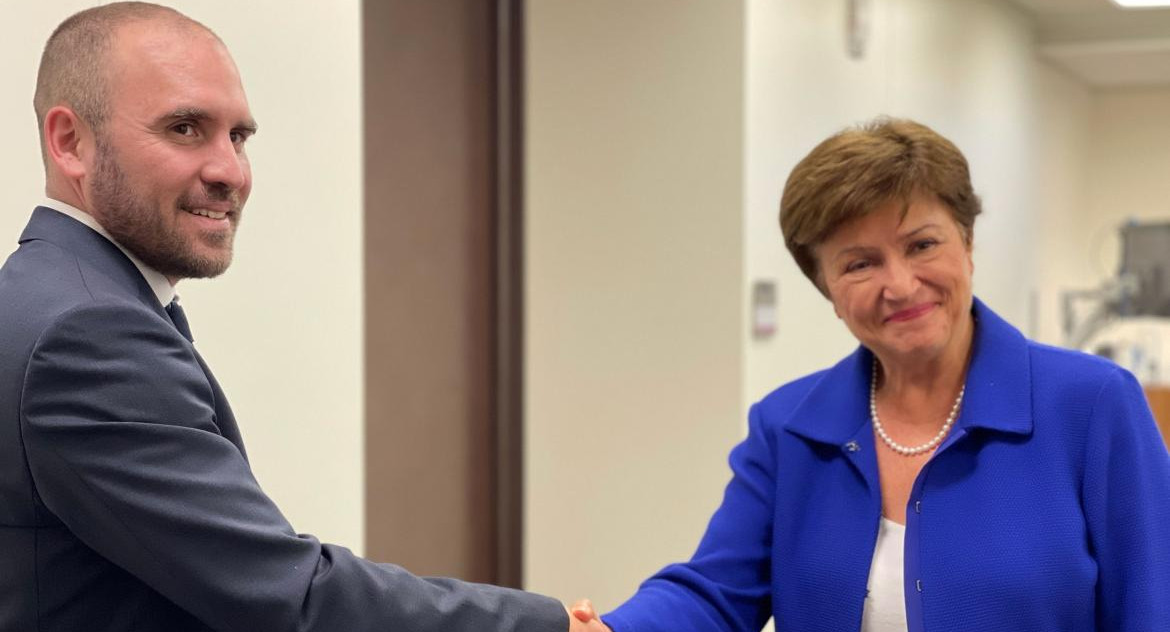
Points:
(857, 170)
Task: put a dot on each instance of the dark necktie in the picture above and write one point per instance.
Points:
(175, 311)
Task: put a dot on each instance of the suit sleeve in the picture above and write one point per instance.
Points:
(725, 587)
(119, 428)
(1126, 495)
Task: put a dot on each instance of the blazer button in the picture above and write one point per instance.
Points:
(852, 446)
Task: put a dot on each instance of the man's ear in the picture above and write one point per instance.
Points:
(68, 142)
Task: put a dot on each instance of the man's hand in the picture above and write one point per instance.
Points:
(583, 618)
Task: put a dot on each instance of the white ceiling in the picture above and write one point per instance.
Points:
(1062, 6)
(1102, 44)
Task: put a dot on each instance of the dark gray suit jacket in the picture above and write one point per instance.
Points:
(126, 500)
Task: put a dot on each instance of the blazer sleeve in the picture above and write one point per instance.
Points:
(1126, 496)
(726, 586)
(119, 428)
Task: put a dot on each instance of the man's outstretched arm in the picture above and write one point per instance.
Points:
(119, 426)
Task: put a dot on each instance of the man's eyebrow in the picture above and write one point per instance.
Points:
(199, 114)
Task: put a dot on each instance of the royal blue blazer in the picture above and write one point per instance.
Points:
(1046, 509)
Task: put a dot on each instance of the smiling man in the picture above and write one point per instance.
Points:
(126, 498)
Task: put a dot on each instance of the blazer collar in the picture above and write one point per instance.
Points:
(999, 380)
(998, 396)
(87, 244)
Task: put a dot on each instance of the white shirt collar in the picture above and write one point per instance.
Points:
(163, 290)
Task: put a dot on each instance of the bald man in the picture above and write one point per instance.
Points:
(126, 499)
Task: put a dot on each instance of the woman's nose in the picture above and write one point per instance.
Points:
(900, 281)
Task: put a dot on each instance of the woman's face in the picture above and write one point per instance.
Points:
(901, 283)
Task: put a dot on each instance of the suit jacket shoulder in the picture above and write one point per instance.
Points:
(126, 500)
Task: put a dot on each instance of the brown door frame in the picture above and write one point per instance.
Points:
(443, 286)
(510, 293)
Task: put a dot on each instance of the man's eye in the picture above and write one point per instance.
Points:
(184, 129)
(239, 137)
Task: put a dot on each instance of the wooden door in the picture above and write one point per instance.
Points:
(442, 266)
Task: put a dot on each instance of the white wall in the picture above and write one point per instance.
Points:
(634, 255)
(282, 328)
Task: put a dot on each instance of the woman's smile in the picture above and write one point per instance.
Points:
(910, 314)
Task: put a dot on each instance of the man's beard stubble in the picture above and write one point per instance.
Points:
(143, 229)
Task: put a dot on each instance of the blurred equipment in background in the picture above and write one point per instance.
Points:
(1124, 318)
(1140, 291)
(1145, 259)
(1141, 287)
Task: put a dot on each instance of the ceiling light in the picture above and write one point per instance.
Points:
(1141, 4)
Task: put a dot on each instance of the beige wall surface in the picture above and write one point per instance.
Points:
(1064, 176)
(282, 328)
(1129, 180)
(1129, 166)
(633, 260)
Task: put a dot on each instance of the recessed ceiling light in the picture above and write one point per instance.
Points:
(1141, 4)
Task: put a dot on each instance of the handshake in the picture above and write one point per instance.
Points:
(583, 618)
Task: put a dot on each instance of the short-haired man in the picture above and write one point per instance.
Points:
(126, 500)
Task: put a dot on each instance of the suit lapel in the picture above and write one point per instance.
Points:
(86, 244)
(224, 418)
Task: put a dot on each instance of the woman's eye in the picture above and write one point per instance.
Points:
(856, 266)
(923, 244)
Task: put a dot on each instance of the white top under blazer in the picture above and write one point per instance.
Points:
(885, 604)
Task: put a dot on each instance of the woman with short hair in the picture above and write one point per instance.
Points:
(949, 474)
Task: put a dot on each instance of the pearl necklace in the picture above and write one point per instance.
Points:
(897, 447)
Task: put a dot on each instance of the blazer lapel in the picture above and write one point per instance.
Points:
(835, 412)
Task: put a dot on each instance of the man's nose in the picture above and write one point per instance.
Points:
(226, 166)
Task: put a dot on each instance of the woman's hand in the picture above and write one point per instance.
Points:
(584, 617)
